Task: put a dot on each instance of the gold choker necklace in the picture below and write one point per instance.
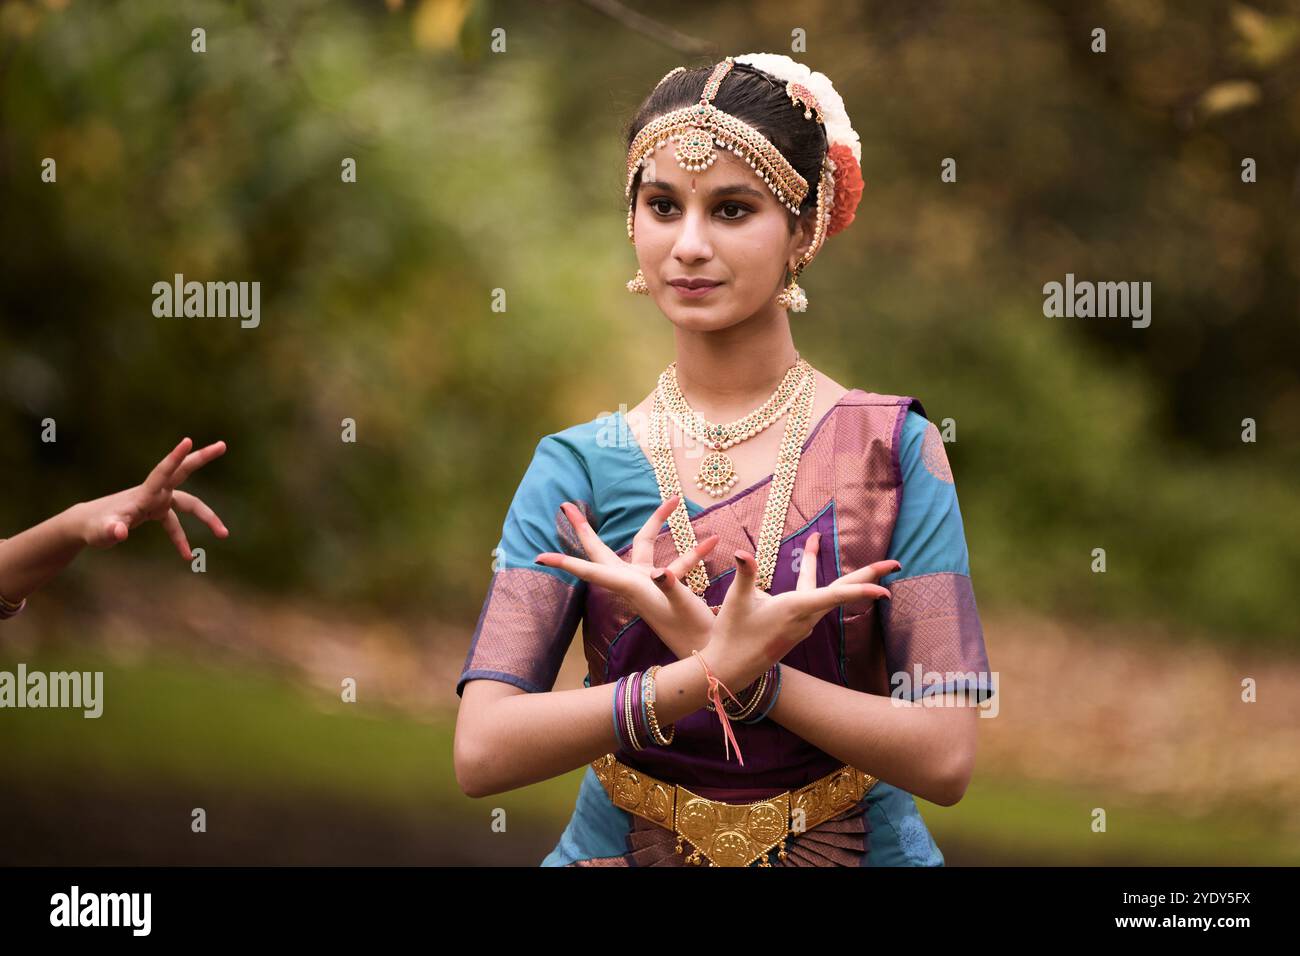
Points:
(717, 474)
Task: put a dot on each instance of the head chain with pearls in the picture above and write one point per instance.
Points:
(696, 128)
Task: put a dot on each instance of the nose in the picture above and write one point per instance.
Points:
(692, 244)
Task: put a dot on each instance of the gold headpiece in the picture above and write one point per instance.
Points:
(696, 128)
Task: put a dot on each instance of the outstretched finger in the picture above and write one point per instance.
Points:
(682, 564)
(196, 460)
(817, 603)
(192, 504)
(869, 573)
(643, 542)
(681, 599)
(588, 571)
(172, 524)
(808, 563)
(742, 588)
(746, 568)
(162, 472)
(597, 551)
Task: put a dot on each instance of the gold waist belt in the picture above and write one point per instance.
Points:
(730, 834)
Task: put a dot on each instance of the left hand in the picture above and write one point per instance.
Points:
(756, 629)
(105, 521)
(679, 618)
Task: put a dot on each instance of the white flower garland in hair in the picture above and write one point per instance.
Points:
(839, 131)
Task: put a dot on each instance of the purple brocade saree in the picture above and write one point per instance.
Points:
(874, 480)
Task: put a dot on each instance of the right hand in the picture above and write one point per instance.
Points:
(682, 623)
(755, 629)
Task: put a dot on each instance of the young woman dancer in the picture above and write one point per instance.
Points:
(749, 623)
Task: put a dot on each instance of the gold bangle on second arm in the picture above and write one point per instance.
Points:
(10, 608)
(659, 738)
(741, 711)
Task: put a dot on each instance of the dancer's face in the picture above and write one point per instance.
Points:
(722, 224)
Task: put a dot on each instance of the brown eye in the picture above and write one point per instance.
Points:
(651, 203)
(734, 205)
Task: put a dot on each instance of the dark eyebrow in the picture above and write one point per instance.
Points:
(735, 189)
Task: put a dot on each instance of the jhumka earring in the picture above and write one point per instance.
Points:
(636, 285)
(793, 297)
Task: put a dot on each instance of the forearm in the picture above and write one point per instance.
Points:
(522, 739)
(31, 558)
(904, 743)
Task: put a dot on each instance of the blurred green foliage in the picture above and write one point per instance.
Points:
(480, 171)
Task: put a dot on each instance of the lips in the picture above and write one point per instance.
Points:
(694, 283)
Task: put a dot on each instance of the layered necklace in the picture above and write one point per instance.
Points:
(717, 472)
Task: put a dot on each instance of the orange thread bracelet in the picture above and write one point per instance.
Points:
(728, 738)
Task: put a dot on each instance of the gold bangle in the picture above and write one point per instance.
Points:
(8, 608)
(742, 712)
(629, 713)
(655, 732)
(745, 709)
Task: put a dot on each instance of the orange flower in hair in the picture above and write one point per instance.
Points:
(848, 188)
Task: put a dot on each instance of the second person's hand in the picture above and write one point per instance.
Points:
(105, 521)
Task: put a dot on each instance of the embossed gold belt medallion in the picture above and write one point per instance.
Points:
(730, 834)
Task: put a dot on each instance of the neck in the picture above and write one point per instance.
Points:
(727, 373)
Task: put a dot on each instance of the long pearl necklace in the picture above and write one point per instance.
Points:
(717, 473)
(778, 494)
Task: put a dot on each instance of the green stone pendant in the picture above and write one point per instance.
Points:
(717, 474)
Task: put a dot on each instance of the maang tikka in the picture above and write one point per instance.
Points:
(698, 127)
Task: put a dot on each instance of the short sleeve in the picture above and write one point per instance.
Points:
(531, 612)
(931, 626)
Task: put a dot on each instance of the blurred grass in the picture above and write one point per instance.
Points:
(1055, 822)
(173, 722)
